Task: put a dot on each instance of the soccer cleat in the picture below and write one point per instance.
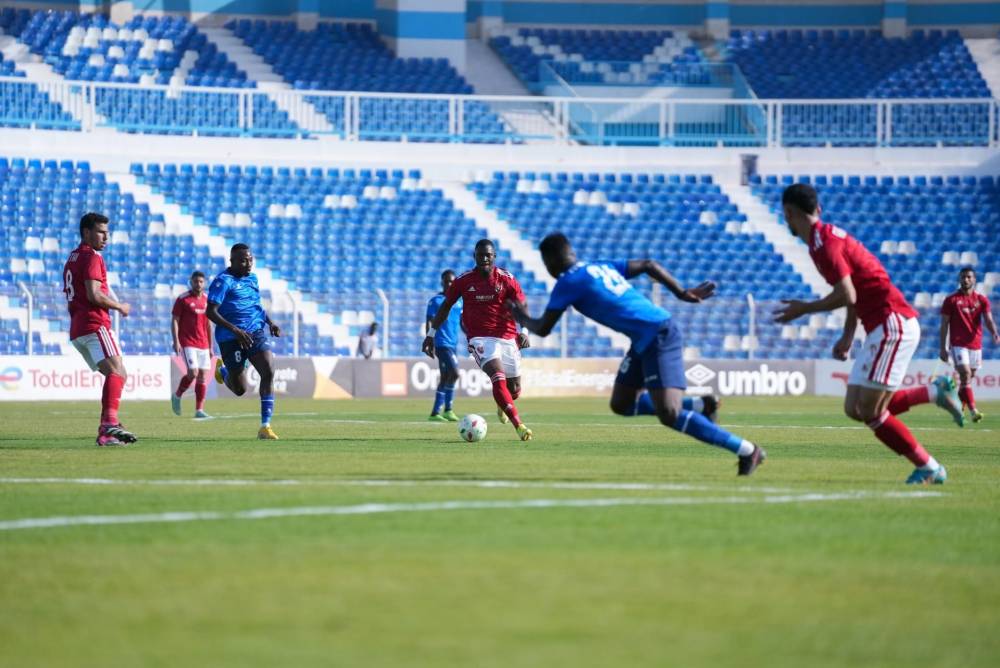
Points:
(106, 440)
(118, 432)
(924, 477)
(524, 433)
(977, 416)
(947, 398)
(201, 415)
(266, 434)
(503, 416)
(437, 417)
(175, 404)
(749, 463)
(450, 416)
(219, 378)
(710, 407)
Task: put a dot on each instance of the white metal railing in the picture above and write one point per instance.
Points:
(353, 116)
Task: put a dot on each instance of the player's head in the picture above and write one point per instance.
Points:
(240, 260)
(197, 282)
(557, 253)
(485, 254)
(447, 278)
(967, 279)
(801, 207)
(373, 328)
(94, 230)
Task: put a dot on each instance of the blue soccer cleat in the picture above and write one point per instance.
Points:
(924, 477)
(947, 398)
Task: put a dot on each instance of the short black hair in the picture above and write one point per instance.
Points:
(197, 274)
(802, 196)
(482, 243)
(554, 245)
(967, 270)
(90, 220)
(446, 272)
(238, 247)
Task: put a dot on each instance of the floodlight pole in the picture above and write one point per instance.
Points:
(385, 321)
(30, 299)
(752, 326)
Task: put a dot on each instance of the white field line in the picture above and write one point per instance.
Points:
(477, 484)
(382, 508)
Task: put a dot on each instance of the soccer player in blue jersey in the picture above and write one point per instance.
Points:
(445, 343)
(601, 291)
(241, 330)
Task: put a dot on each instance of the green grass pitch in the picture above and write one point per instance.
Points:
(368, 537)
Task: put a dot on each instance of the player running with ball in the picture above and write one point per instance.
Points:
(861, 284)
(601, 291)
(494, 340)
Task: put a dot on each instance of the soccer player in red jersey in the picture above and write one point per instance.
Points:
(963, 314)
(85, 282)
(861, 284)
(192, 340)
(494, 339)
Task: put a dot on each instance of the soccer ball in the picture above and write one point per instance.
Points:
(472, 428)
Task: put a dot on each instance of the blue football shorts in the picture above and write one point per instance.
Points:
(660, 365)
(236, 358)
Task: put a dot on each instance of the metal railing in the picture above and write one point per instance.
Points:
(354, 116)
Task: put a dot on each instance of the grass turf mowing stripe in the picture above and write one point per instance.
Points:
(380, 508)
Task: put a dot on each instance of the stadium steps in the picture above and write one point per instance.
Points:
(282, 292)
(301, 112)
(986, 53)
(43, 76)
(763, 220)
(470, 205)
(48, 330)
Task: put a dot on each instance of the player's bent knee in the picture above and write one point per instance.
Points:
(622, 407)
(668, 416)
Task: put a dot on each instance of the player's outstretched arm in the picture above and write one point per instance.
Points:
(245, 340)
(658, 273)
(943, 336)
(843, 294)
(442, 314)
(538, 326)
(97, 297)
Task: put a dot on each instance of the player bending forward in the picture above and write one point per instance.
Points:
(601, 291)
(85, 282)
(861, 284)
(494, 340)
(193, 341)
(445, 342)
(241, 329)
(963, 313)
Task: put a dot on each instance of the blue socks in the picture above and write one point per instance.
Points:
(439, 399)
(449, 396)
(700, 427)
(644, 404)
(266, 409)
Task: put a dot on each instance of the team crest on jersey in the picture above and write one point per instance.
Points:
(472, 288)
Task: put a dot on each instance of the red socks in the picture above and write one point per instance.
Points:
(903, 400)
(965, 394)
(183, 386)
(898, 438)
(111, 398)
(200, 388)
(502, 396)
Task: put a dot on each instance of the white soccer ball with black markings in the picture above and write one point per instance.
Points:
(472, 428)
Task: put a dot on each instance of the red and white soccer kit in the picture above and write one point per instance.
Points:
(90, 326)
(192, 329)
(486, 319)
(889, 320)
(965, 327)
